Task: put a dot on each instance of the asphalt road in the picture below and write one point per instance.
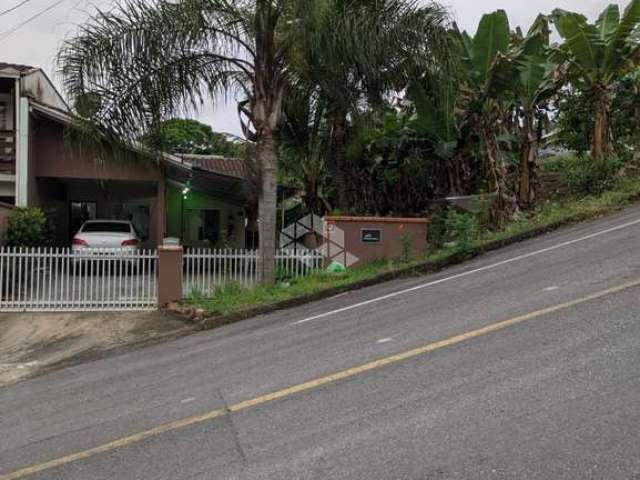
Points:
(521, 364)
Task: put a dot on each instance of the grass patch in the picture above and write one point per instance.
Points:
(233, 298)
(570, 210)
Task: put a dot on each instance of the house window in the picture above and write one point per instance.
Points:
(202, 225)
(6, 112)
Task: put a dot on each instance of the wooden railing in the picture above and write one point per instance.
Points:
(7, 152)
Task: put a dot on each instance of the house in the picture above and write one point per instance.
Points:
(202, 201)
(217, 197)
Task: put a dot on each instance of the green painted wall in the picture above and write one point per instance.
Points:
(231, 216)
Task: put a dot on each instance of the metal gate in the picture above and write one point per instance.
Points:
(58, 279)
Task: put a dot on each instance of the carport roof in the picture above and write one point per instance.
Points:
(67, 119)
(220, 179)
(229, 166)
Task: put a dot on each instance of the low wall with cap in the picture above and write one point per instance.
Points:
(356, 240)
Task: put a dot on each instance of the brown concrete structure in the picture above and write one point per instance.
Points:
(169, 274)
(356, 240)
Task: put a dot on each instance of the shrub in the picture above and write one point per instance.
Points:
(27, 227)
(583, 175)
(593, 177)
(557, 163)
(437, 232)
(462, 228)
(406, 242)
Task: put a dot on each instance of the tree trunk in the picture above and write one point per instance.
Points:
(528, 161)
(601, 138)
(454, 175)
(267, 156)
(504, 205)
(338, 154)
(458, 168)
(269, 88)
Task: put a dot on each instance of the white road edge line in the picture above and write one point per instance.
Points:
(469, 272)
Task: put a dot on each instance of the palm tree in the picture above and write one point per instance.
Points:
(305, 146)
(354, 51)
(598, 56)
(145, 61)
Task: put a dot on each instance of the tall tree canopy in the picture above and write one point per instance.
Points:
(190, 136)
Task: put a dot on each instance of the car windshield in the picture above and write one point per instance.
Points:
(111, 227)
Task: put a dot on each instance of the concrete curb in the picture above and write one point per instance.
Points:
(216, 321)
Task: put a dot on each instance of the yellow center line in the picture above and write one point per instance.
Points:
(310, 385)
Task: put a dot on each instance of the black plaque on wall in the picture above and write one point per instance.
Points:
(371, 235)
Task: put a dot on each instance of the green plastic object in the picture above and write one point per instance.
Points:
(336, 267)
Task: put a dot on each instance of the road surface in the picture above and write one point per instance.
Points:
(521, 364)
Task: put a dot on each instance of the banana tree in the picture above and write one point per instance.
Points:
(598, 56)
(487, 73)
(433, 117)
(536, 81)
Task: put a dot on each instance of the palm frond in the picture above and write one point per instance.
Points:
(147, 61)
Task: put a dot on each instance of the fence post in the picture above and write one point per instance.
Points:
(169, 274)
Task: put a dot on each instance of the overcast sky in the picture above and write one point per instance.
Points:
(36, 42)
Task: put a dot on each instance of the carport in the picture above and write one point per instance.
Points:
(74, 182)
(72, 201)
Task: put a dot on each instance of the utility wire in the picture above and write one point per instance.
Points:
(15, 7)
(6, 34)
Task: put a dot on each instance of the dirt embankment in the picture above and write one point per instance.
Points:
(31, 343)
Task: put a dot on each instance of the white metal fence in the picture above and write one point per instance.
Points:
(57, 279)
(291, 263)
(207, 269)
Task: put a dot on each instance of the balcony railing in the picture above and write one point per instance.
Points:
(7, 152)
